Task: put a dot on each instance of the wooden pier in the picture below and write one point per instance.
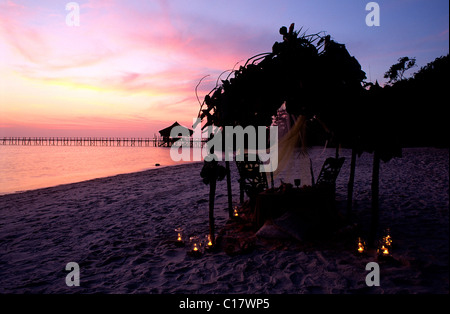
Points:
(100, 141)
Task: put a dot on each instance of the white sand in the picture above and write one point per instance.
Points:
(119, 230)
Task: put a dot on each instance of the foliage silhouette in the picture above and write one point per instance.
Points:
(396, 71)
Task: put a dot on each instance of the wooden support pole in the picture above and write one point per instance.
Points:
(351, 182)
(375, 198)
(241, 191)
(230, 196)
(212, 195)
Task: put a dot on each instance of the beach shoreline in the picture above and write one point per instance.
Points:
(92, 179)
(119, 230)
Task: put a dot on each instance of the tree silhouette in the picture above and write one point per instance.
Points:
(396, 71)
(417, 104)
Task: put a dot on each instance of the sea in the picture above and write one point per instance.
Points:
(25, 168)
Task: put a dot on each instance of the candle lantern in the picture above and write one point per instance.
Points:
(385, 244)
(387, 238)
(383, 249)
(196, 247)
(208, 243)
(180, 237)
(361, 245)
(235, 211)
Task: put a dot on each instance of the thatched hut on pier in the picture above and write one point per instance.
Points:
(166, 134)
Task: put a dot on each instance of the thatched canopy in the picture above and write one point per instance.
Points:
(316, 78)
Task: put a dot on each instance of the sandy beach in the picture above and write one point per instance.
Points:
(120, 230)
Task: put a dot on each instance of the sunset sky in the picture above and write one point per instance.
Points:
(131, 67)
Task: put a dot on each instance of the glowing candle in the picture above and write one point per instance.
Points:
(209, 244)
(387, 239)
(179, 241)
(195, 246)
(209, 241)
(360, 245)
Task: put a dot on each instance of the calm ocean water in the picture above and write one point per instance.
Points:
(31, 167)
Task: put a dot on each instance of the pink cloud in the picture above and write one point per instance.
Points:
(97, 4)
(109, 32)
(121, 48)
(12, 4)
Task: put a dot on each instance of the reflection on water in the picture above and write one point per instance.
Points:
(31, 167)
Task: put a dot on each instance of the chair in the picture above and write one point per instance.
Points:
(251, 180)
(330, 171)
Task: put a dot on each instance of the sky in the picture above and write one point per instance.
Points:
(131, 67)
